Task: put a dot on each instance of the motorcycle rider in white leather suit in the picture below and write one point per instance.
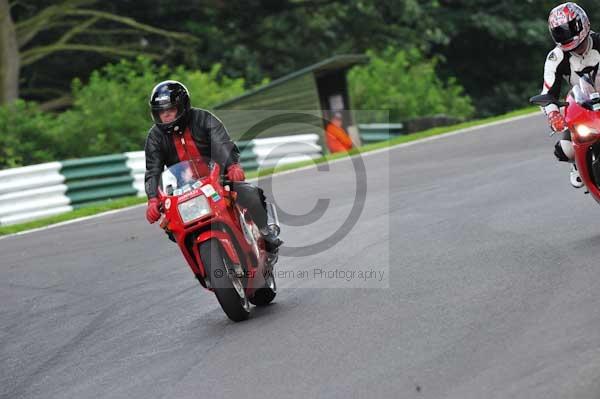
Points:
(577, 49)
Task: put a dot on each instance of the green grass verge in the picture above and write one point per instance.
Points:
(129, 201)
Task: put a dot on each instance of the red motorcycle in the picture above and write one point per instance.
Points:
(583, 118)
(218, 239)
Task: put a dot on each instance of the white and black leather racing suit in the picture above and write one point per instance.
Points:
(561, 65)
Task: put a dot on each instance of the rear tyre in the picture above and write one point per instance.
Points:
(265, 295)
(229, 288)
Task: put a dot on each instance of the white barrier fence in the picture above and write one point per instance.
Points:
(269, 152)
(136, 161)
(37, 191)
(32, 192)
(287, 149)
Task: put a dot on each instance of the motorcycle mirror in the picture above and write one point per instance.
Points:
(544, 100)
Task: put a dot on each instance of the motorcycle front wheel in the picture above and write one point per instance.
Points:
(228, 287)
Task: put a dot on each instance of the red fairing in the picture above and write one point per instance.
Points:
(222, 224)
(581, 120)
(225, 241)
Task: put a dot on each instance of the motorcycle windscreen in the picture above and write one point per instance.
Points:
(183, 176)
(585, 92)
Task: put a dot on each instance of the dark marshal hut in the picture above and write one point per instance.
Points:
(298, 103)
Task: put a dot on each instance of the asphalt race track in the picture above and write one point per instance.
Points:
(471, 271)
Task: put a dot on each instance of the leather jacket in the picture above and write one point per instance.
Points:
(211, 139)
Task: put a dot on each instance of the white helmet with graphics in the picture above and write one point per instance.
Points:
(569, 26)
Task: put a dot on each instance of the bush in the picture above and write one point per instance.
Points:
(24, 135)
(110, 114)
(406, 85)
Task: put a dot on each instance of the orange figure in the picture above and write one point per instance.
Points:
(336, 138)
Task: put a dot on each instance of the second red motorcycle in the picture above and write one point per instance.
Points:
(583, 118)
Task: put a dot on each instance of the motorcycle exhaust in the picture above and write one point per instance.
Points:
(272, 219)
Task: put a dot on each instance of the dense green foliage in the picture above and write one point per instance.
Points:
(446, 52)
(110, 113)
(25, 138)
(494, 49)
(406, 84)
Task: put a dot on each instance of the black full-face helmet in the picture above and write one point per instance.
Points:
(170, 94)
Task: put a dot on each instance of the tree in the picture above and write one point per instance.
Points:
(110, 113)
(9, 58)
(252, 39)
(405, 84)
(25, 137)
(495, 49)
(38, 32)
(258, 38)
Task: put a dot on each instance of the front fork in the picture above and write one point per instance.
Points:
(274, 229)
(272, 219)
(595, 163)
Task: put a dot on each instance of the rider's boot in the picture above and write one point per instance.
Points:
(272, 241)
(575, 177)
(564, 152)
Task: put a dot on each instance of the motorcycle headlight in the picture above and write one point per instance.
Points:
(193, 209)
(585, 131)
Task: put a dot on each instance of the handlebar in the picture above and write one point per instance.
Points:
(225, 181)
